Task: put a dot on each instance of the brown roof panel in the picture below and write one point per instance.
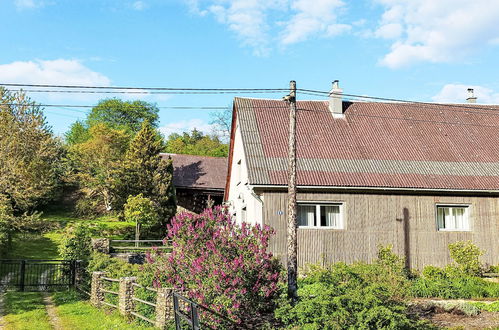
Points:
(198, 172)
(431, 146)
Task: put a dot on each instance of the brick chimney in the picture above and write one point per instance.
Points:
(336, 100)
(471, 96)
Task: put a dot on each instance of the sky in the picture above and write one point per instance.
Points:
(420, 50)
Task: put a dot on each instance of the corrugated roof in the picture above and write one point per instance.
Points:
(430, 146)
(198, 172)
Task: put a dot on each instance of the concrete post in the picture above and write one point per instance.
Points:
(126, 303)
(101, 245)
(96, 294)
(164, 307)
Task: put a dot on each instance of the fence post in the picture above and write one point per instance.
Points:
(101, 245)
(126, 304)
(163, 307)
(96, 294)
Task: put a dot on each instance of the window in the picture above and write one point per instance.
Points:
(320, 215)
(453, 217)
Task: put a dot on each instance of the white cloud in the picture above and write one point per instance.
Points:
(457, 93)
(261, 23)
(139, 5)
(186, 126)
(53, 72)
(436, 31)
(311, 19)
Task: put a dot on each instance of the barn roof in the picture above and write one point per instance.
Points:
(399, 145)
(198, 172)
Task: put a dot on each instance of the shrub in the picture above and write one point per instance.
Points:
(451, 283)
(357, 296)
(220, 264)
(76, 244)
(467, 256)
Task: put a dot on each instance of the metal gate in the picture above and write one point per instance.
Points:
(37, 275)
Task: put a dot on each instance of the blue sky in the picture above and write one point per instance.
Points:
(422, 50)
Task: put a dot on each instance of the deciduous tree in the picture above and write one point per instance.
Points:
(29, 154)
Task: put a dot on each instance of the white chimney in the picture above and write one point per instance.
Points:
(336, 100)
(471, 96)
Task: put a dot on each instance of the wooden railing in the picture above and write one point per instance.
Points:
(138, 245)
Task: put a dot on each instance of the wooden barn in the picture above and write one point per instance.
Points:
(417, 176)
(199, 180)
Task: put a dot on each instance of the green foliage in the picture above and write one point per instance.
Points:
(118, 114)
(357, 296)
(467, 256)
(141, 210)
(78, 133)
(144, 171)
(489, 307)
(76, 244)
(93, 163)
(451, 283)
(196, 143)
(30, 156)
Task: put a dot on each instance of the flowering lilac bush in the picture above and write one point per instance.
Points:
(220, 264)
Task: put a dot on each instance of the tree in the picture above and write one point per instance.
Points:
(116, 114)
(144, 171)
(95, 160)
(30, 156)
(196, 143)
(124, 114)
(222, 123)
(143, 212)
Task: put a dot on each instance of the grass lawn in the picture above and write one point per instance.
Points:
(25, 310)
(35, 246)
(75, 313)
(45, 246)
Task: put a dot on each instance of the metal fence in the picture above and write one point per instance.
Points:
(195, 316)
(37, 275)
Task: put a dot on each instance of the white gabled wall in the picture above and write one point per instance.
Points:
(243, 203)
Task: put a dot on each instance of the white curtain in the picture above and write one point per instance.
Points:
(306, 215)
(330, 215)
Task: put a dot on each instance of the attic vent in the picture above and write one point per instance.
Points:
(336, 100)
(471, 96)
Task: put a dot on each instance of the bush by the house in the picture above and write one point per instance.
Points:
(221, 265)
(357, 296)
(451, 283)
(467, 257)
(457, 281)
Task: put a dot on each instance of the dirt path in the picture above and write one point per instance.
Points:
(51, 312)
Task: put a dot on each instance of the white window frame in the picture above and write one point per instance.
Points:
(466, 216)
(318, 205)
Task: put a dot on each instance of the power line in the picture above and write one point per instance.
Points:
(143, 88)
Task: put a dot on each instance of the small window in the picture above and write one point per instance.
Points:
(453, 217)
(320, 215)
(244, 216)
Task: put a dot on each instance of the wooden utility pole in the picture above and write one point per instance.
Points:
(292, 260)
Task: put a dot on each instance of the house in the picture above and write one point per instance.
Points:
(199, 180)
(417, 176)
